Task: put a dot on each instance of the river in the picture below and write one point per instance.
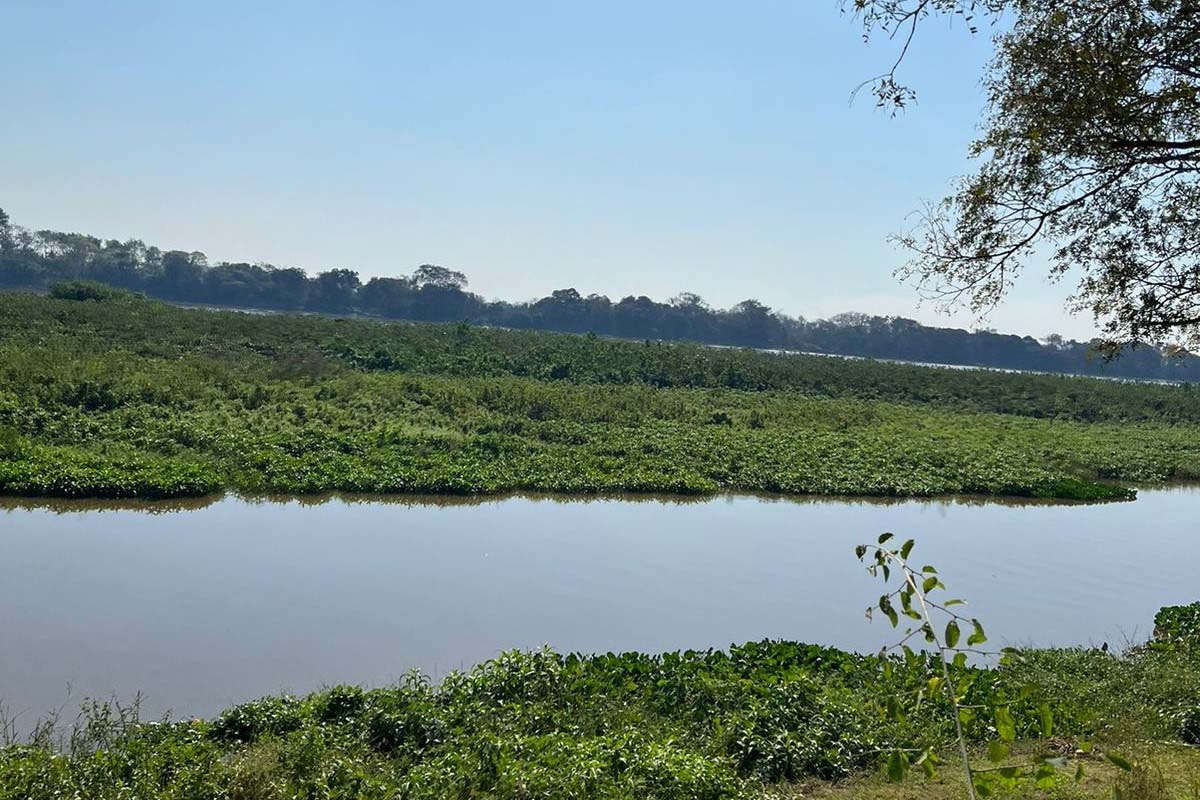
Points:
(207, 604)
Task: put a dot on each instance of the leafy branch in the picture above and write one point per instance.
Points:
(942, 628)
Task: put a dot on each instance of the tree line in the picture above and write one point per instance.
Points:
(36, 260)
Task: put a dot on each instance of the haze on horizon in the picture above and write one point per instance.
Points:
(622, 150)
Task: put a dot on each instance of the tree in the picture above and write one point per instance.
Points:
(566, 296)
(289, 287)
(439, 277)
(181, 275)
(334, 291)
(386, 296)
(754, 325)
(689, 301)
(1089, 152)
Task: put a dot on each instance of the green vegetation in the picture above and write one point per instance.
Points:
(105, 395)
(743, 723)
(40, 260)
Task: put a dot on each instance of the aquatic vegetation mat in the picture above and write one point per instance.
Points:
(122, 397)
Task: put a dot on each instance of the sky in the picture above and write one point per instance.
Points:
(618, 147)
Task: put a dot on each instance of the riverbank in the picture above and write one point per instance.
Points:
(763, 718)
(129, 398)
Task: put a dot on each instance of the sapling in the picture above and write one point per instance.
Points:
(942, 627)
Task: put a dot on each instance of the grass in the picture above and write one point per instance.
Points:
(1162, 771)
(121, 397)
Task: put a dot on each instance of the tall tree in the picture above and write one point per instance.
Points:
(1089, 156)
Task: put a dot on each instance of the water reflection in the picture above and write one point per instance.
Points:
(60, 505)
(205, 603)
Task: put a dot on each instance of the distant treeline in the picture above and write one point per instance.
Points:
(38, 259)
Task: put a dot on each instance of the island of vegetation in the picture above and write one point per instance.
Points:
(107, 394)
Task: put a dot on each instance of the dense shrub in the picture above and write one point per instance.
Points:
(87, 290)
(1178, 627)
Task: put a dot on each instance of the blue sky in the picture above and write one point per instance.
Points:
(621, 148)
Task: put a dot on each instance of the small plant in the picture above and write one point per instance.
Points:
(1140, 781)
(941, 627)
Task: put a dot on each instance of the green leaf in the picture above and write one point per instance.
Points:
(1006, 728)
(1119, 760)
(885, 605)
(860, 551)
(997, 752)
(1047, 718)
(906, 548)
(952, 634)
(929, 570)
(955, 602)
(1079, 772)
(930, 584)
(977, 636)
(897, 765)
(883, 537)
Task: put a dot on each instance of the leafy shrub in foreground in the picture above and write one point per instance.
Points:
(1177, 627)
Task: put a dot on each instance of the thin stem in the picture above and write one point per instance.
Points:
(949, 683)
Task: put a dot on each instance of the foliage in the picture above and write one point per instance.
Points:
(694, 724)
(87, 290)
(1089, 151)
(139, 399)
(1177, 627)
(914, 595)
(40, 260)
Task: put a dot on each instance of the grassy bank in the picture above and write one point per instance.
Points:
(124, 397)
(765, 719)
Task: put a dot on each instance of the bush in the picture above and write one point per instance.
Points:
(1177, 627)
(88, 290)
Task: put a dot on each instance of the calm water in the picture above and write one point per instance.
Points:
(203, 607)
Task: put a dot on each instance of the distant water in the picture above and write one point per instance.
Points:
(212, 603)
